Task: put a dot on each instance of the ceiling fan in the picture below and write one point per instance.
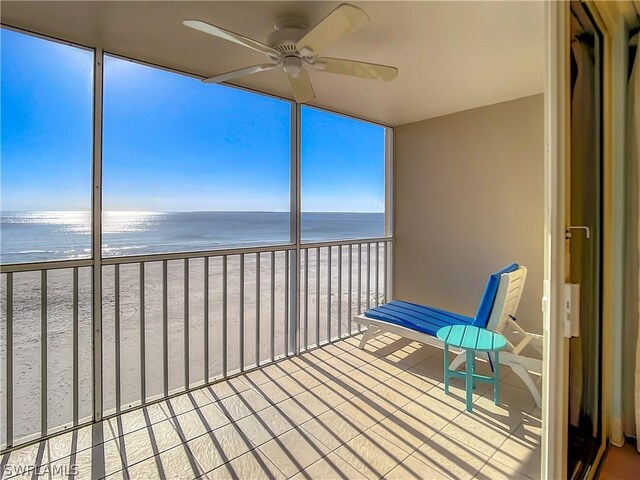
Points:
(295, 48)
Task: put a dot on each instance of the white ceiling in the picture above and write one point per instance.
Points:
(452, 56)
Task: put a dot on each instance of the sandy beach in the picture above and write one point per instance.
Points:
(59, 320)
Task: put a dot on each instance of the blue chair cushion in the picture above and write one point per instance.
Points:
(416, 317)
(429, 320)
(489, 296)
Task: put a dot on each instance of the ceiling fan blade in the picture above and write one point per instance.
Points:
(356, 69)
(342, 21)
(301, 87)
(241, 72)
(232, 37)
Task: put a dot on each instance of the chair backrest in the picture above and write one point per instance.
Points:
(507, 298)
(489, 296)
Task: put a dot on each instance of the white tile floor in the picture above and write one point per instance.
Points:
(335, 412)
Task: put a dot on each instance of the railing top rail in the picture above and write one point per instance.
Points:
(50, 265)
(353, 241)
(156, 257)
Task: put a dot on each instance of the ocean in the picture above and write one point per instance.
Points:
(45, 236)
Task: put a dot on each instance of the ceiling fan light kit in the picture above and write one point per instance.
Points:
(292, 66)
(295, 48)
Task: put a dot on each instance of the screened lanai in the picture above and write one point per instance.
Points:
(182, 262)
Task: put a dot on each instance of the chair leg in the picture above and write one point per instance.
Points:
(369, 334)
(457, 362)
(528, 381)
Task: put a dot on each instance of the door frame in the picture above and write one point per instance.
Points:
(614, 19)
(611, 18)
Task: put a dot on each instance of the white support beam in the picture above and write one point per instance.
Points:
(555, 384)
(96, 233)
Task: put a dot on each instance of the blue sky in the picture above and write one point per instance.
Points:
(46, 124)
(170, 143)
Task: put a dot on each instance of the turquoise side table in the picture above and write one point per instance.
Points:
(472, 340)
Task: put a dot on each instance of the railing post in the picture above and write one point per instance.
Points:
(43, 352)
(385, 271)
(205, 301)
(75, 353)
(339, 292)
(359, 283)
(143, 344)
(272, 327)
(117, 338)
(9, 364)
(287, 295)
(329, 319)
(350, 290)
(306, 299)
(96, 234)
(241, 314)
(224, 316)
(377, 274)
(317, 296)
(185, 348)
(165, 328)
(368, 275)
(258, 316)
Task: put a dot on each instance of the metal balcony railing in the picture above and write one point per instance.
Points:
(168, 323)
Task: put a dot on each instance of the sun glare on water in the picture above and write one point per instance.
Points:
(121, 222)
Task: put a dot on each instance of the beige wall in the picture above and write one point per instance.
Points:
(469, 200)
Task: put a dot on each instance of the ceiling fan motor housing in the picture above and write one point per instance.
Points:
(288, 30)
